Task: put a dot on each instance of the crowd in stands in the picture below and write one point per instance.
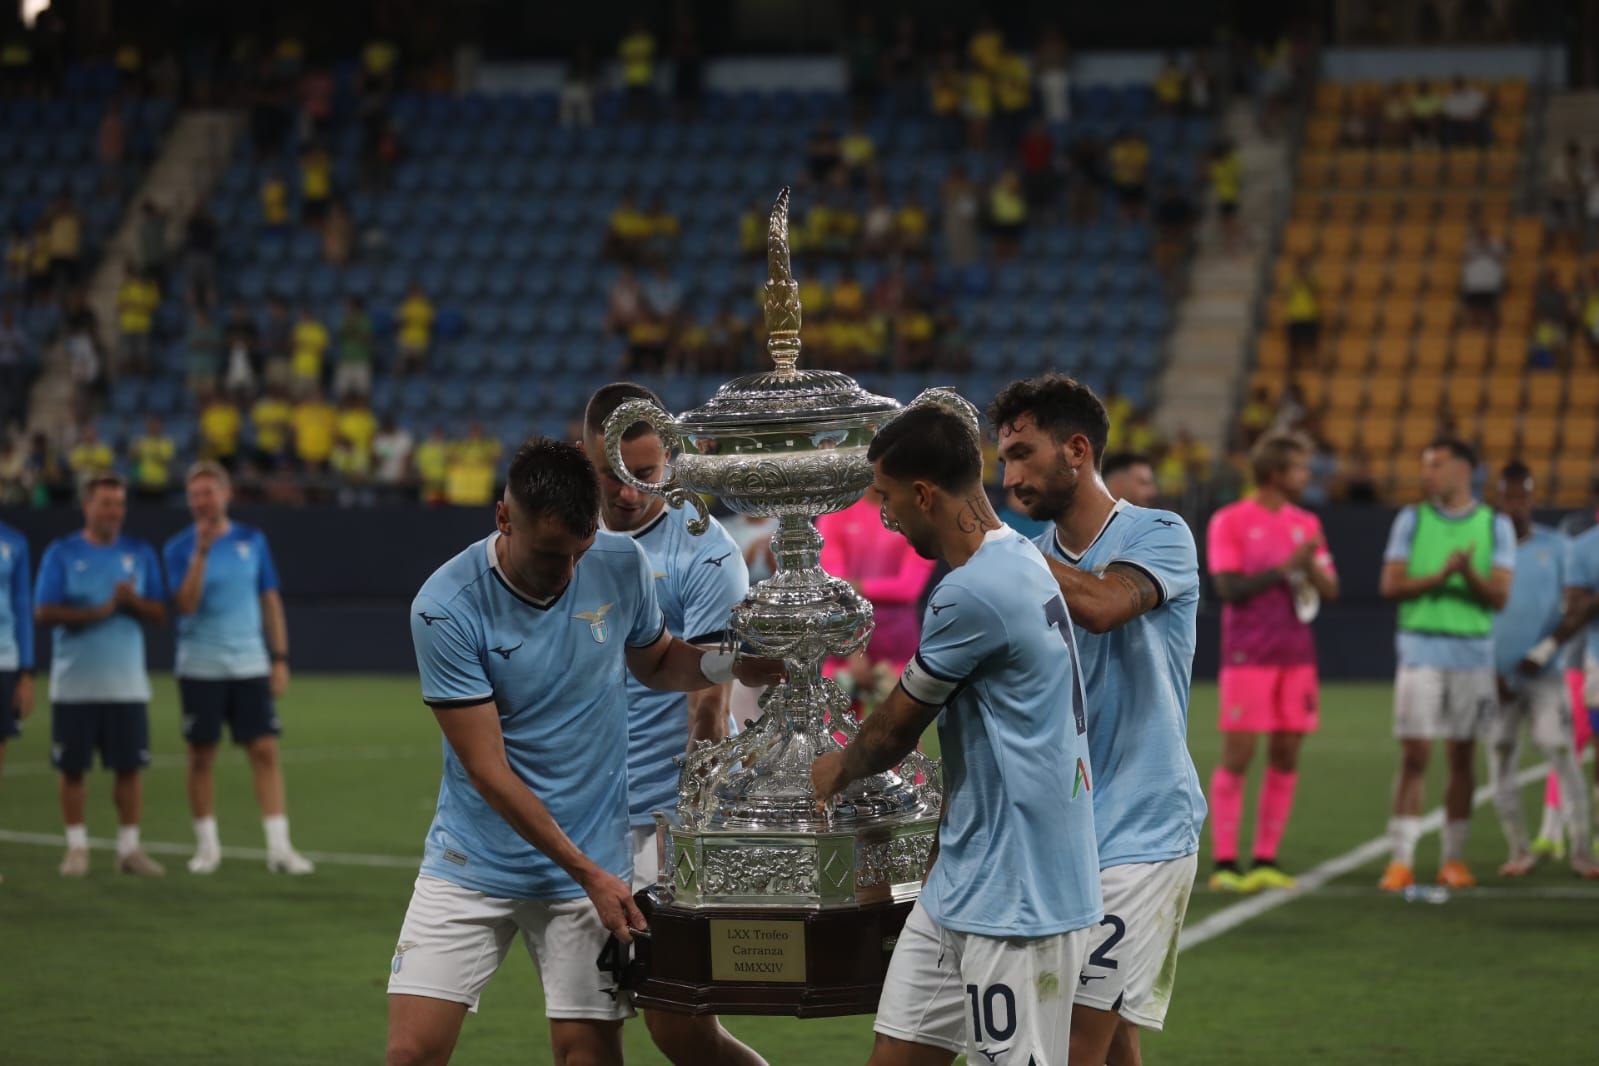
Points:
(281, 388)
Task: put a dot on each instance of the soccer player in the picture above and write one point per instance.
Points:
(1130, 576)
(1130, 476)
(232, 662)
(98, 589)
(1448, 565)
(1540, 701)
(698, 582)
(988, 956)
(16, 636)
(1270, 564)
(521, 641)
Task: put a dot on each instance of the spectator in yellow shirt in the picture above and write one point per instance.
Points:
(858, 152)
(311, 341)
(416, 330)
(315, 424)
(357, 426)
(220, 424)
(1169, 84)
(986, 46)
(65, 235)
(1007, 213)
(137, 300)
(636, 53)
(911, 225)
(664, 230)
(271, 419)
(431, 460)
(752, 231)
(629, 231)
(316, 184)
(469, 474)
(151, 454)
(90, 455)
(476, 447)
(977, 104)
(1129, 171)
(275, 201)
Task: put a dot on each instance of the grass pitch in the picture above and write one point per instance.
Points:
(245, 967)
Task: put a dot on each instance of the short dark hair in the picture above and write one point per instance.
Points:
(98, 479)
(1059, 404)
(1273, 452)
(605, 401)
(551, 477)
(1116, 462)
(929, 443)
(1456, 447)
(1515, 472)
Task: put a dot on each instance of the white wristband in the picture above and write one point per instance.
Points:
(1543, 651)
(717, 666)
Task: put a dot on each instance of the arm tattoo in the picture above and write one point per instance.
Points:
(975, 514)
(1141, 591)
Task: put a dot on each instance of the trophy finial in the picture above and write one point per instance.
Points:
(782, 292)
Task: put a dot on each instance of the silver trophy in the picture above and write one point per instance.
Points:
(747, 833)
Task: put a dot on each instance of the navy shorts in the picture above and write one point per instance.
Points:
(9, 726)
(120, 732)
(244, 703)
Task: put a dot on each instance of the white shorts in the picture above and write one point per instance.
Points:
(1132, 955)
(1544, 705)
(455, 938)
(1434, 704)
(1001, 1002)
(646, 857)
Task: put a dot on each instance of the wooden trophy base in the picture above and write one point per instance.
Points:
(769, 960)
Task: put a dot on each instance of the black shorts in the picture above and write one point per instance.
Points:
(1302, 334)
(1482, 301)
(1227, 208)
(1132, 195)
(244, 703)
(120, 732)
(9, 726)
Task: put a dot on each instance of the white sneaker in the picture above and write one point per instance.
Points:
(205, 862)
(290, 862)
(75, 863)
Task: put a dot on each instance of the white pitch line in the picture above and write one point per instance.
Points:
(1230, 918)
(332, 858)
(235, 755)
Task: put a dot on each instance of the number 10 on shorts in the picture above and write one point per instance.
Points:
(989, 1007)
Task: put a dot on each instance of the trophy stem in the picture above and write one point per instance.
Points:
(796, 545)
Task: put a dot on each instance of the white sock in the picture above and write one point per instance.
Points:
(1404, 830)
(1553, 824)
(127, 840)
(1455, 834)
(205, 835)
(277, 832)
(77, 836)
(1577, 814)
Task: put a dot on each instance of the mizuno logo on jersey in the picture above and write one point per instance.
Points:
(596, 620)
(936, 607)
(431, 618)
(505, 653)
(717, 562)
(1166, 521)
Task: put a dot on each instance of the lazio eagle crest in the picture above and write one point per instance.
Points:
(597, 623)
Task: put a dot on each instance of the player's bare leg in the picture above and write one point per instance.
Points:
(1404, 828)
(202, 806)
(423, 1031)
(892, 1051)
(585, 1042)
(697, 1040)
(128, 794)
(1093, 1033)
(266, 768)
(1125, 1049)
(74, 801)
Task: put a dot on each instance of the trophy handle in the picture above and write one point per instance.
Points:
(631, 413)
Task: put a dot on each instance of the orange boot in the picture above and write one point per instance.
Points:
(1396, 878)
(1455, 874)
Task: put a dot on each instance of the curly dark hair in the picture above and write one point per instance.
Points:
(1060, 405)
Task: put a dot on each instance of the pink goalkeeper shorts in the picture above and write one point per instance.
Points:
(1269, 699)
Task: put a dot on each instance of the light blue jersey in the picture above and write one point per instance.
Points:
(222, 640)
(1537, 598)
(1584, 574)
(16, 602)
(1016, 850)
(1436, 650)
(1148, 803)
(556, 670)
(102, 662)
(698, 581)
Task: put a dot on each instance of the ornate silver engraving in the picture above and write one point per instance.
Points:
(893, 862)
(760, 871)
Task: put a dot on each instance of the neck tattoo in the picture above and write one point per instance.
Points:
(976, 514)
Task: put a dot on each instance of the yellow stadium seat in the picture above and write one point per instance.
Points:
(1381, 211)
(1389, 169)
(1351, 168)
(1336, 240)
(1471, 353)
(1299, 238)
(1510, 351)
(1497, 434)
(1449, 237)
(1525, 235)
(1361, 316)
(1330, 97)
(1510, 96)
(1378, 432)
(1413, 239)
(1346, 392)
(1321, 131)
(1312, 388)
(1438, 314)
(1426, 169)
(1582, 392)
(1425, 392)
(1503, 391)
(1341, 430)
(1574, 472)
(1463, 168)
(1515, 312)
(1463, 394)
(1374, 240)
(1391, 354)
(1415, 431)
(1268, 381)
(1544, 392)
(1315, 169)
(1406, 277)
(1431, 351)
(1272, 351)
(1366, 279)
(1345, 208)
(1508, 131)
(1579, 433)
(1537, 437)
